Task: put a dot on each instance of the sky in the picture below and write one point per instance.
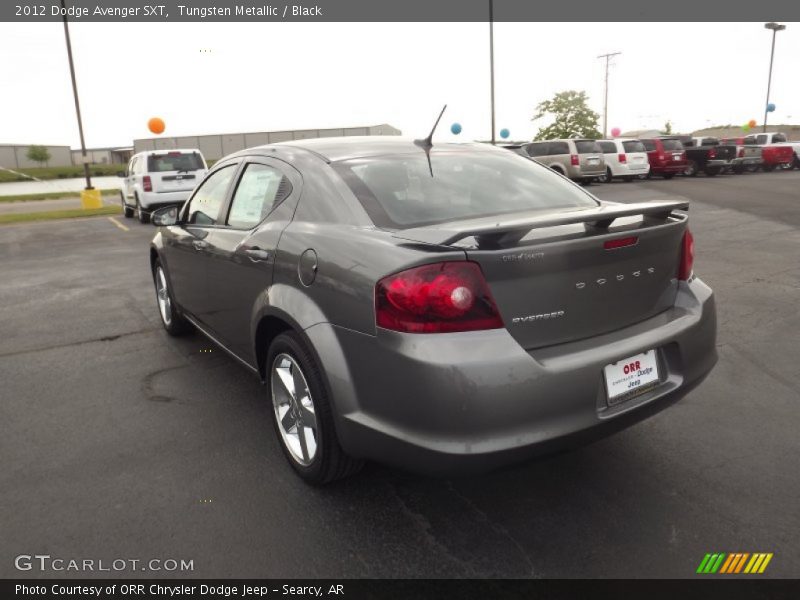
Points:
(206, 78)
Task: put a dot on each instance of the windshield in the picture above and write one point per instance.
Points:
(398, 191)
(174, 161)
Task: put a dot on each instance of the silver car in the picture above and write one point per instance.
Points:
(444, 309)
(580, 160)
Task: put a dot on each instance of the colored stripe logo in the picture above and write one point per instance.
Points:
(735, 562)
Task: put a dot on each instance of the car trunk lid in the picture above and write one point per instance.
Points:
(563, 276)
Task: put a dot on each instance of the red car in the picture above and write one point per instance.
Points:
(667, 156)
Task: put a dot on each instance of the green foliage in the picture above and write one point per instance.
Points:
(38, 154)
(571, 115)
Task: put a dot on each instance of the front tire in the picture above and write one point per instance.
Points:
(171, 318)
(302, 413)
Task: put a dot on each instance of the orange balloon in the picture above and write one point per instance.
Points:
(752, 123)
(156, 125)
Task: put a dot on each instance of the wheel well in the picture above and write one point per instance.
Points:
(268, 329)
(153, 257)
(557, 169)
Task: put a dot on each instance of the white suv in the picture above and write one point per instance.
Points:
(160, 178)
(625, 158)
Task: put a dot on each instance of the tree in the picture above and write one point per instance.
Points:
(571, 115)
(668, 127)
(38, 154)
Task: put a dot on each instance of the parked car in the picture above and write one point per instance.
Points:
(708, 155)
(778, 155)
(625, 158)
(445, 309)
(666, 155)
(157, 178)
(777, 158)
(580, 160)
(748, 156)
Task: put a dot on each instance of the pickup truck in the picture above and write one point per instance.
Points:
(775, 150)
(708, 155)
(776, 138)
(748, 156)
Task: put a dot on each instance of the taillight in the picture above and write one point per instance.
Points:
(437, 298)
(741, 152)
(147, 183)
(623, 158)
(712, 153)
(687, 257)
(573, 159)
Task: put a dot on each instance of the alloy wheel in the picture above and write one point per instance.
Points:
(294, 409)
(162, 294)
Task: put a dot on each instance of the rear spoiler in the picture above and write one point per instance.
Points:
(498, 229)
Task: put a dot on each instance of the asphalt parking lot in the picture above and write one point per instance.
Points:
(120, 442)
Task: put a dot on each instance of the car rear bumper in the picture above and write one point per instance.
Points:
(625, 169)
(467, 402)
(152, 200)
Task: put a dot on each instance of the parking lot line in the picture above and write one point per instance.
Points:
(118, 224)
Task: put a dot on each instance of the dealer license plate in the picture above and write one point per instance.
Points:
(631, 375)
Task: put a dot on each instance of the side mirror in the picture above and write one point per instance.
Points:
(165, 216)
(121, 174)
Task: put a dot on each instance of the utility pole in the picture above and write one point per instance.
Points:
(605, 102)
(491, 59)
(775, 27)
(86, 172)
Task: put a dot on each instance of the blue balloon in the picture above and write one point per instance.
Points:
(504, 133)
(770, 107)
(455, 128)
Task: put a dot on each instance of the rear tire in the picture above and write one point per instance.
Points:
(691, 169)
(712, 171)
(126, 210)
(171, 318)
(738, 169)
(306, 415)
(144, 217)
(608, 177)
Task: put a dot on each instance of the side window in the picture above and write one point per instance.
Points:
(750, 140)
(537, 149)
(608, 147)
(205, 205)
(778, 138)
(260, 189)
(761, 139)
(132, 166)
(558, 148)
(649, 145)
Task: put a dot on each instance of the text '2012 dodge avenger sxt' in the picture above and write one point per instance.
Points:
(445, 308)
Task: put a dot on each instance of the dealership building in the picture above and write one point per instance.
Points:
(215, 147)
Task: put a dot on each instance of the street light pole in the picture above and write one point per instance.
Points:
(605, 102)
(75, 96)
(491, 59)
(775, 27)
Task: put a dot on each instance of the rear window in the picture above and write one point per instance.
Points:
(778, 138)
(672, 144)
(398, 191)
(608, 147)
(710, 142)
(588, 147)
(634, 146)
(174, 161)
(650, 145)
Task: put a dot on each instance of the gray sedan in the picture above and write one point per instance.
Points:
(444, 309)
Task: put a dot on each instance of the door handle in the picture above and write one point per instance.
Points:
(199, 244)
(257, 254)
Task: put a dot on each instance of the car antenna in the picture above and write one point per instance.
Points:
(427, 143)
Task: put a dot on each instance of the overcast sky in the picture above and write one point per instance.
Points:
(274, 76)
